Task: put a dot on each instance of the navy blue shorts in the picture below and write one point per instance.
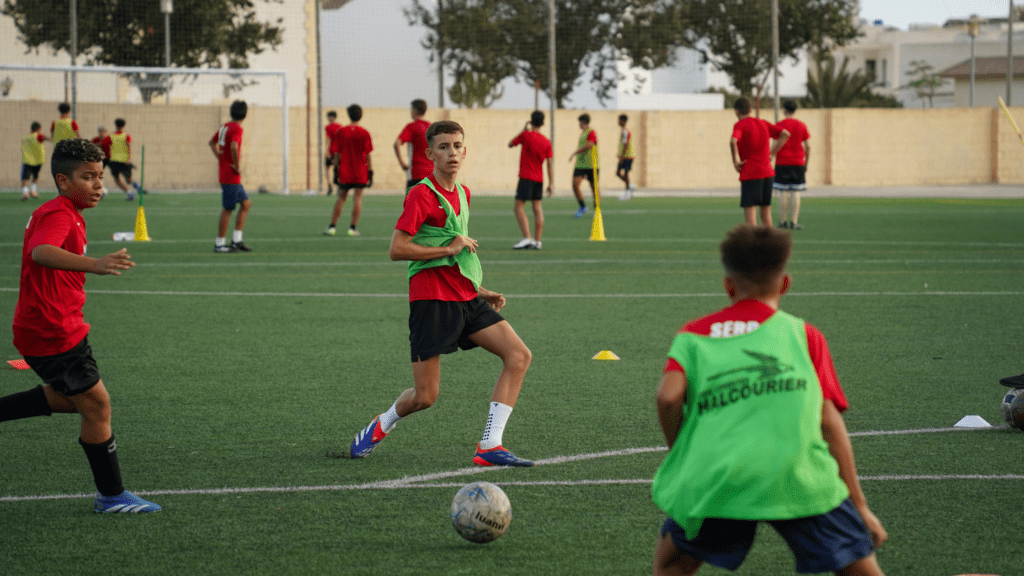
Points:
(625, 164)
(439, 327)
(69, 373)
(791, 178)
(756, 192)
(232, 194)
(822, 543)
(29, 172)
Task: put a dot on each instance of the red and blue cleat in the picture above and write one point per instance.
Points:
(498, 456)
(367, 439)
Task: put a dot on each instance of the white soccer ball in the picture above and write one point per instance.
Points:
(1013, 407)
(481, 512)
(1007, 407)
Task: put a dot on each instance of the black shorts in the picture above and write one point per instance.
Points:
(117, 168)
(351, 186)
(791, 178)
(69, 373)
(626, 164)
(529, 190)
(439, 327)
(106, 162)
(30, 172)
(756, 192)
(587, 173)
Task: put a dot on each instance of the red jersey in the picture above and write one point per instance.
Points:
(228, 133)
(415, 133)
(753, 137)
(331, 130)
(440, 282)
(352, 143)
(48, 317)
(745, 316)
(536, 149)
(792, 152)
(104, 144)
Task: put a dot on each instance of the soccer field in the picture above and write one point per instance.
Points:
(234, 377)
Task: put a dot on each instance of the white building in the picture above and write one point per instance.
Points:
(886, 54)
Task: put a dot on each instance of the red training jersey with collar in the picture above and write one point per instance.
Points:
(331, 130)
(415, 132)
(745, 316)
(753, 136)
(536, 149)
(440, 282)
(48, 317)
(792, 152)
(228, 133)
(352, 143)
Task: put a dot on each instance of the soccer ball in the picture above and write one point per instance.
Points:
(1013, 407)
(481, 512)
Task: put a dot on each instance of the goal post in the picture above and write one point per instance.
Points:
(171, 110)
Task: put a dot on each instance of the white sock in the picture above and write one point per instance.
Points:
(219, 241)
(389, 418)
(236, 236)
(34, 189)
(496, 420)
(24, 190)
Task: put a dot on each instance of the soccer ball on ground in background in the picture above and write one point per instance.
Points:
(481, 512)
(1013, 407)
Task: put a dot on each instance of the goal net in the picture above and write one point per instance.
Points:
(173, 112)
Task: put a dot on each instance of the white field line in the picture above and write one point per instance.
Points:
(427, 480)
(619, 295)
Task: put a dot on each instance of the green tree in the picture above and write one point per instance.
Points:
(475, 90)
(735, 36)
(925, 82)
(832, 87)
(204, 34)
(509, 39)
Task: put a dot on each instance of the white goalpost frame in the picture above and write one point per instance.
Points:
(182, 71)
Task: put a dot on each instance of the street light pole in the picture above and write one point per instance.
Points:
(775, 58)
(167, 7)
(74, 56)
(972, 29)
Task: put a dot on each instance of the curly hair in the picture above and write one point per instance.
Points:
(755, 255)
(71, 153)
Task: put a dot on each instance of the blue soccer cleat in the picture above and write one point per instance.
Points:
(367, 439)
(581, 211)
(123, 503)
(499, 457)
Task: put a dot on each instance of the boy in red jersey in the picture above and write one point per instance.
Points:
(752, 157)
(536, 149)
(49, 328)
(65, 126)
(791, 167)
(750, 406)
(352, 167)
(331, 129)
(98, 139)
(226, 144)
(414, 134)
(448, 307)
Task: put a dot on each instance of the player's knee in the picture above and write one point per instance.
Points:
(519, 358)
(424, 399)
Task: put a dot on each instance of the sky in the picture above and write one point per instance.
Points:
(372, 56)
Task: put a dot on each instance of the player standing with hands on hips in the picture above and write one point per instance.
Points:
(791, 168)
(50, 330)
(448, 308)
(750, 406)
(227, 147)
(752, 153)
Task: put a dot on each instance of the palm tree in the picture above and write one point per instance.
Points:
(828, 87)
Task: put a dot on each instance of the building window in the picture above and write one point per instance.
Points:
(882, 79)
(869, 70)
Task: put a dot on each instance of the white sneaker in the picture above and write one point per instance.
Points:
(524, 243)
(536, 245)
(626, 195)
(632, 186)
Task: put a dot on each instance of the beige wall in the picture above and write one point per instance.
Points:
(675, 150)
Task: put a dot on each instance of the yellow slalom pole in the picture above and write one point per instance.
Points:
(1010, 118)
(597, 229)
(141, 231)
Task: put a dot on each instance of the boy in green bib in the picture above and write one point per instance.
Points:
(750, 406)
(448, 308)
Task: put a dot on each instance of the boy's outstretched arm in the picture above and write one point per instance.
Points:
(53, 257)
(833, 428)
(671, 397)
(403, 248)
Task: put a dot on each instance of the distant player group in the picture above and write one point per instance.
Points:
(116, 147)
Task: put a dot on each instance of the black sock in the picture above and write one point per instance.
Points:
(24, 405)
(582, 205)
(105, 469)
